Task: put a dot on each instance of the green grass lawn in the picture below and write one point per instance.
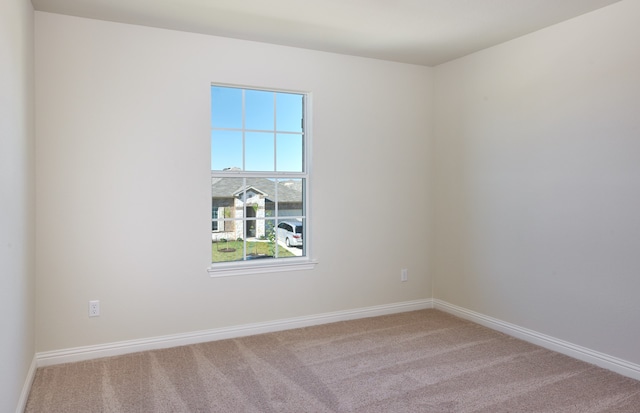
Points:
(261, 249)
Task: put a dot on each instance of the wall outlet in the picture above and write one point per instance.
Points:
(404, 275)
(94, 308)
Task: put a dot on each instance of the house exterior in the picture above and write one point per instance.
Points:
(254, 203)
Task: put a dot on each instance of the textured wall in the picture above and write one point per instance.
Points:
(17, 216)
(538, 189)
(123, 182)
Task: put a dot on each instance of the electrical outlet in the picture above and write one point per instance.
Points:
(404, 275)
(94, 308)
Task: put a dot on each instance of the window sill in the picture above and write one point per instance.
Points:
(248, 268)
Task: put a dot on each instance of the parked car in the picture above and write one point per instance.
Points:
(290, 232)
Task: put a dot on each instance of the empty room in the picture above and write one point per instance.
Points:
(175, 177)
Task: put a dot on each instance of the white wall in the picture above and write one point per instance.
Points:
(17, 246)
(538, 181)
(123, 178)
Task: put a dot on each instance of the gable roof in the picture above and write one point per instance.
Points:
(288, 191)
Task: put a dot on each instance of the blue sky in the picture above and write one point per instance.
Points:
(281, 133)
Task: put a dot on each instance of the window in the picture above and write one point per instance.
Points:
(214, 219)
(259, 176)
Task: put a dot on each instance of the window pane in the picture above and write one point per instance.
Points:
(226, 107)
(224, 210)
(226, 150)
(259, 108)
(259, 151)
(259, 195)
(225, 246)
(290, 236)
(267, 188)
(258, 246)
(288, 112)
(290, 198)
(289, 151)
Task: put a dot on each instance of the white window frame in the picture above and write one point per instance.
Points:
(232, 268)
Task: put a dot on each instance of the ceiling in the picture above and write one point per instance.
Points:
(424, 32)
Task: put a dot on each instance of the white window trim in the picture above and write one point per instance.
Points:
(226, 269)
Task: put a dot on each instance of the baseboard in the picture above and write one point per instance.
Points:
(26, 387)
(131, 346)
(578, 352)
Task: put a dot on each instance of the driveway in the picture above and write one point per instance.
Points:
(294, 250)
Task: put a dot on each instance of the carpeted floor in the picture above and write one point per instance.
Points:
(422, 361)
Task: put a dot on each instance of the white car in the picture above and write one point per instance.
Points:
(290, 232)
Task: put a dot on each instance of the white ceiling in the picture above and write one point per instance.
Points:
(424, 32)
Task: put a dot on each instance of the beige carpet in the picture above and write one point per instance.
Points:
(422, 361)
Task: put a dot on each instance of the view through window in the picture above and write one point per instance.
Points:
(258, 174)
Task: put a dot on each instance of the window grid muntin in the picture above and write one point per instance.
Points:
(275, 175)
(275, 131)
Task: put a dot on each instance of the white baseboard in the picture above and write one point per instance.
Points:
(49, 358)
(572, 350)
(26, 387)
(131, 346)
